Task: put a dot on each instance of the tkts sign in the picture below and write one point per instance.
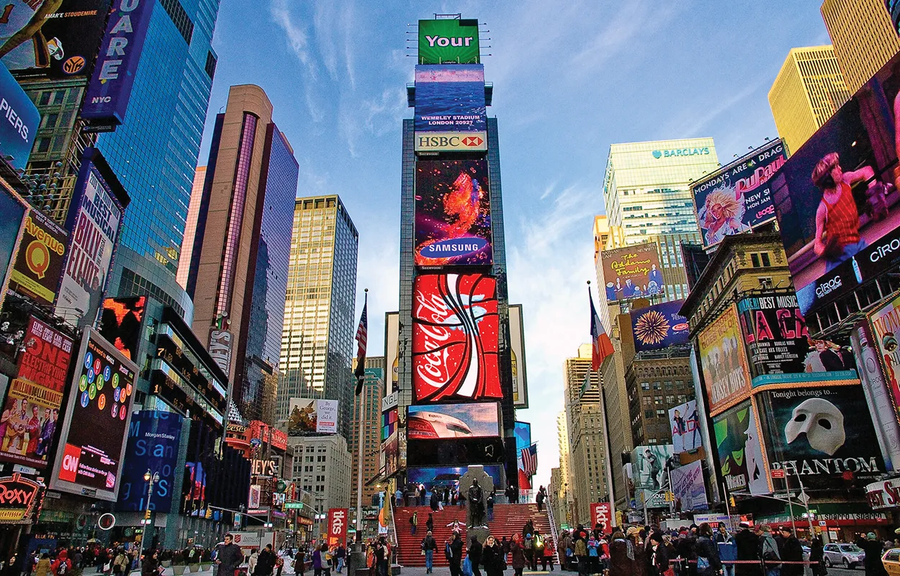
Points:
(455, 327)
(337, 526)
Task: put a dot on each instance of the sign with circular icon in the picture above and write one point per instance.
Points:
(106, 521)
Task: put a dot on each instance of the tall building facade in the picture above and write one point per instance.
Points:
(809, 88)
(239, 265)
(863, 36)
(317, 338)
(472, 173)
(565, 470)
(190, 227)
(367, 420)
(587, 443)
(321, 466)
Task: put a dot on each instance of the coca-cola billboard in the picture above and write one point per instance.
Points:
(455, 327)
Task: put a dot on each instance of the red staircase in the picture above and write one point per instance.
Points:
(410, 545)
(508, 520)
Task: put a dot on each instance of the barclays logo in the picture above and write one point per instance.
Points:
(680, 152)
(657, 154)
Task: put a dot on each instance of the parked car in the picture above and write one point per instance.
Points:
(846, 555)
(891, 561)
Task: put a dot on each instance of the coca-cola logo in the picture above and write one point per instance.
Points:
(455, 328)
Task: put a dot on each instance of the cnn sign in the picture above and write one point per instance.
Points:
(337, 526)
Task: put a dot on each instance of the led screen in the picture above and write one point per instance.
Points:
(450, 421)
(454, 344)
(659, 326)
(448, 41)
(453, 213)
(632, 272)
(836, 198)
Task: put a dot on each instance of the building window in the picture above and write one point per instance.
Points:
(760, 259)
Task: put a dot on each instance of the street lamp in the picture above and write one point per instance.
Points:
(150, 479)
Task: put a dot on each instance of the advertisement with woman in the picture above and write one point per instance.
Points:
(836, 198)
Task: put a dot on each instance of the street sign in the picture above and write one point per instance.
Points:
(803, 498)
(777, 473)
(293, 505)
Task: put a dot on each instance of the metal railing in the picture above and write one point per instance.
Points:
(553, 529)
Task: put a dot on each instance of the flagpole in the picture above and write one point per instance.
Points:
(359, 463)
(606, 444)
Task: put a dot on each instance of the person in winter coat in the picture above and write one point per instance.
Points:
(518, 555)
(581, 555)
(492, 557)
(817, 556)
(748, 548)
(707, 552)
(150, 567)
(549, 551)
(791, 551)
(62, 566)
(657, 556)
(265, 562)
(228, 556)
(456, 546)
(252, 561)
(429, 524)
(413, 522)
(474, 552)
(640, 556)
(727, 549)
(873, 550)
(429, 545)
(42, 568)
(768, 550)
(621, 555)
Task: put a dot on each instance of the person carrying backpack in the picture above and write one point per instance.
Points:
(768, 550)
(62, 566)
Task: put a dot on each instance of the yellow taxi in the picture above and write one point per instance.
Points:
(891, 561)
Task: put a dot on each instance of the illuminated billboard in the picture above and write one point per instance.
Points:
(885, 322)
(517, 356)
(522, 432)
(308, 416)
(40, 259)
(17, 135)
(448, 41)
(95, 223)
(779, 348)
(689, 488)
(448, 421)
(650, 473)
(447, 477)
(58, 40)
(451, 141)
(659, 326)
(821, 432)
(153, 443)
(450, 99)
(455, 338)
(121, 322)
(685, 425)
(632, 272)
(97, 418)
(836, 198)
(742, 461)
(723, 361)
(14, 211)
(737, 197)
(31, 412)
(453, 213)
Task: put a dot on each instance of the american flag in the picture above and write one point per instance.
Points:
(361, 338)
(529, 460)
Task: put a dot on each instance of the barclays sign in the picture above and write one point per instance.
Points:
(680, 152)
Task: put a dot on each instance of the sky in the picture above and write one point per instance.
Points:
(570, 78)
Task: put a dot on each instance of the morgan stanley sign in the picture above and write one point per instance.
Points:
(110, 88)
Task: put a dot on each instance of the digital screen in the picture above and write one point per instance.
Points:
(57, 40)
(153, 443)
(836, 198)
(448, 41)
(447, 477)
(737, 198)
(461, 451)
(450, 99)
(632, 272)
(455, 338)
(97, 418)
(446, 421)
(453, 213)
(659, 326)
(121, 321)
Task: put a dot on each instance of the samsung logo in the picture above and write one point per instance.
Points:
(680, 152)
(453, 247)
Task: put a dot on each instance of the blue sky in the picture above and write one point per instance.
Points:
(570, 78)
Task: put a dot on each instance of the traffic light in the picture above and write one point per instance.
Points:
(732, 501)
(670, 496)
(147, 514)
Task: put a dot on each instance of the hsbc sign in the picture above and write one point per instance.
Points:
(451, 141)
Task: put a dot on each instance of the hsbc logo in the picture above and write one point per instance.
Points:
(71, 458)
(450, 141)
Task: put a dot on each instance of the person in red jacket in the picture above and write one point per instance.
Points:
(62, 566)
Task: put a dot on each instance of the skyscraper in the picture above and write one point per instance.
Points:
(587, 444)
(807, 91)
(367, 419)
(239, 264)
(863, 36)
(317, 338)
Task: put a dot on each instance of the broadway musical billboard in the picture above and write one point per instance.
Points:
(742, 461)
(632, 272)
(723, 361)
(822, 434)
(737, 197)
(455, 338)
(836, 198)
